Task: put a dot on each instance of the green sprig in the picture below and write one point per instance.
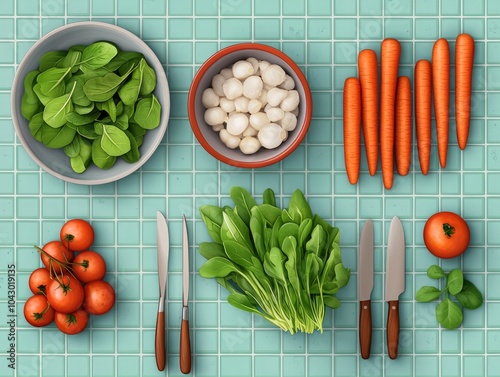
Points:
(449, 312)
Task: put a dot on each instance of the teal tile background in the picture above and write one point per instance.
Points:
(323, 37)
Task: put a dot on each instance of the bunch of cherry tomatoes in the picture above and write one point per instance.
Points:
(71, 285)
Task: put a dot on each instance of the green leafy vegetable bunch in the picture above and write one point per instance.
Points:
(282, 264)
(449, 312)
(94, 101)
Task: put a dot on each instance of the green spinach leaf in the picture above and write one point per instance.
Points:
(80, 163)
(30, 104)
(147, 113)
(57, 109)
(100, 158)
(98, 54)
(57, 137)
(50, 60)
(114, 141)
(73, 148)
(35, 125)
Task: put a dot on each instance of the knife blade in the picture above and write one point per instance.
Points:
(185, 343)
(162, 251)
(365, 287)
(394, 283)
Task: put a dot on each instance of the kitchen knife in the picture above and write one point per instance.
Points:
(365, 287)
(162, 250)
(394, 283)
(185, 344)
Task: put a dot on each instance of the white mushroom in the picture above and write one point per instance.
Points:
(233, 88)
(252, 87)
(229, 140)
(289, 121)
(291, 101)
(254, 106)
(263, 64)
(263, 97)
(288, 84)
(275, 96)
(275, 113)
(236, 124)
(218, 127)
(227, 73)
(255, 64)
(209, 98)
(273, 75)
(241, 104)
(259, 120)
(214, 116)
(250, 131)
(217, 83)
(226, 104)
(242, 69)
(271, 135)
(249, 145)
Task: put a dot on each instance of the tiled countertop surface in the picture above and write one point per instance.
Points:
(323, 38)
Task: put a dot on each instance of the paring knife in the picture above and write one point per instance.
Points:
(365, 287)
(162, 250)
(185, 344)
(394, 283)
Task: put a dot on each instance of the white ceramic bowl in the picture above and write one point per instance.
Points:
(54, 161)
(210, 140)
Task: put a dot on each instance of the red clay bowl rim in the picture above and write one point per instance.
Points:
(196, 127)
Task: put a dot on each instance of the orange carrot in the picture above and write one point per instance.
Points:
(403, 131)
(441, 91)
(368, 78)
(389, 64)
(423, 87)
(464, 59)
(352, 128)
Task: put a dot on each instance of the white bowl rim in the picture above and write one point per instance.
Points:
(144, 157)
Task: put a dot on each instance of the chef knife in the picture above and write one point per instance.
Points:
(162, 250)
(365, 287)
(185, 344)
(394, 283)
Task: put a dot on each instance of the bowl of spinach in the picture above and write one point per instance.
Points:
(90, 103)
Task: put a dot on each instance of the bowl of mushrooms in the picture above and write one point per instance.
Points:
(249, 105)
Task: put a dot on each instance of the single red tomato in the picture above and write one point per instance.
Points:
(65, 294)
(56, 250)
(446, 234)
(72, 323)
(88, 266)
(39, 280)
(99, 297)
(77, 235)
(37, 311)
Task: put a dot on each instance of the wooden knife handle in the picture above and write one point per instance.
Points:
(185, 348)
(393, 329)
(365, 328)
(160, 351)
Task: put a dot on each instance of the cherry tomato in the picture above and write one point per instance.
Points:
(65, 294)
(446, 235)
(72, 323)
(57, 250)
(37, 311)
(77, 235)
(88, 266)
(99, 297)
(39, 280)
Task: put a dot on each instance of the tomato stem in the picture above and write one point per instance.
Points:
(448, 230)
